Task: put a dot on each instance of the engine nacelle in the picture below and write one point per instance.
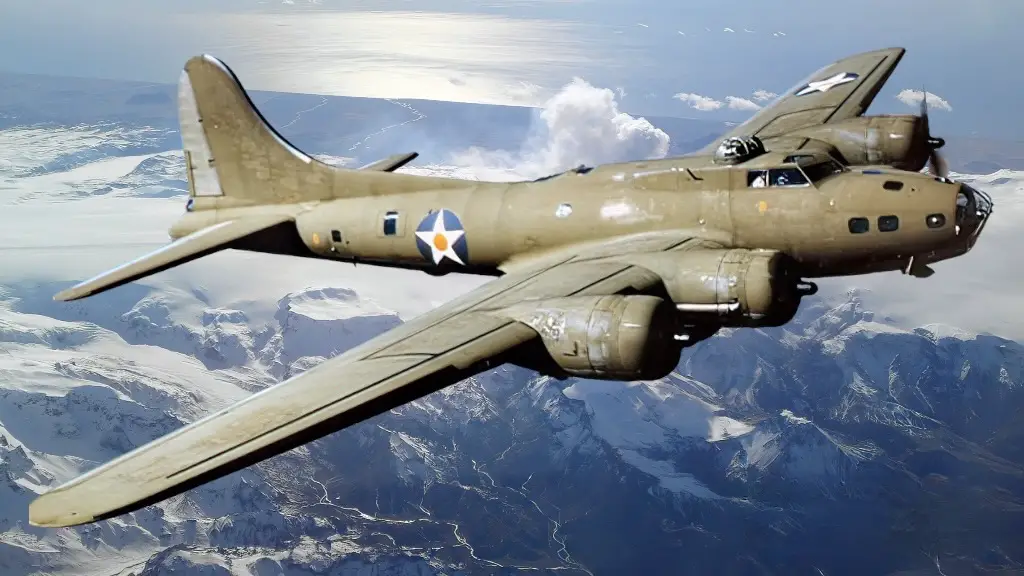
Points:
(899, 141)
(602, 337)
(731, 287)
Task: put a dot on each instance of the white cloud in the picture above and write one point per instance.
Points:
(737, 103)
(764, 95)
(524, 92)
(709, 104)
(698, 102)
(914, 97)
(581, 124)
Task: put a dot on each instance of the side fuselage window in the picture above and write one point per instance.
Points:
(888, 223)
(859, 225)
(390, 223)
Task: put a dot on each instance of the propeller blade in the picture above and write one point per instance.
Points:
(937, 164)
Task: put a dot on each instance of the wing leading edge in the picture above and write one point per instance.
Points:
(839, 91)
(439, 348)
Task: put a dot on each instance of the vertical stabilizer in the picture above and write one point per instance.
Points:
(231, 150)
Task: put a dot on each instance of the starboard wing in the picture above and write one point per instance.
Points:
(839, 91)
(434, 350)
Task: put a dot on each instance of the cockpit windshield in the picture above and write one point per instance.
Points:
(821, 170)
(776, 177)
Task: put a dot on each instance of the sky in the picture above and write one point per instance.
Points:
(529, 53)
(714, 57)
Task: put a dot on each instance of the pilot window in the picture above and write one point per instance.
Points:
(390, 223)
(859, 225)
(776, 177)
(888, 223)
(786, 177)
(757, 178)
(336, 235)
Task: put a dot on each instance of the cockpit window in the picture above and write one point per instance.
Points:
(796, 158)
(776, 177)
(821, 170)
(190, 205)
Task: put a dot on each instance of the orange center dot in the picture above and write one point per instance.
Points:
(440, 242)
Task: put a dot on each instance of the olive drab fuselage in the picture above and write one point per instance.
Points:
(813, 222)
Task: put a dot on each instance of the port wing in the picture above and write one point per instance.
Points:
(439, 348)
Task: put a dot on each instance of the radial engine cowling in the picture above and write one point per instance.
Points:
(899, 141)
(735, 287)
(602, 337)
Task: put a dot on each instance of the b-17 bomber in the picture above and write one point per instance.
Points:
(603, 272)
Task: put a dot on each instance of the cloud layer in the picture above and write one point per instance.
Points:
(581, 124)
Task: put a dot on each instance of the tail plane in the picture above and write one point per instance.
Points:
(231, 150)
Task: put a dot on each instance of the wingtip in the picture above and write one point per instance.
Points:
(67, 295)
(41, 513)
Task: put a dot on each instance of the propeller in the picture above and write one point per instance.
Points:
(936, 163)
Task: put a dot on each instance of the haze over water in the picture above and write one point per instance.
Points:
(519, 52)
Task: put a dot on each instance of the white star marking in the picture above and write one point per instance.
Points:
(828, 83)
(441, 241)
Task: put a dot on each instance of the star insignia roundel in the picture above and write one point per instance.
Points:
(827, 84)
(440, 235)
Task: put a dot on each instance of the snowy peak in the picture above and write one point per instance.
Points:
(794, 447)
(319, 323)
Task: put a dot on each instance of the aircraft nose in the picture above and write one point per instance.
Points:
(973, 209)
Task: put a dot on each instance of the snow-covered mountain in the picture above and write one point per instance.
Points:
(844, 443)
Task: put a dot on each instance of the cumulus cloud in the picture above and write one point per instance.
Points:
(764, 95)
(699, 102)
(914, 97)
(709, 104)
(581, 124)
(737, 103)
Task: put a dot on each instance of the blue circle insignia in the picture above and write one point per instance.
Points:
(440, 236)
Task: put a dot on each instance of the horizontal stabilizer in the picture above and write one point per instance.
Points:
(391, 163)
(196, 245)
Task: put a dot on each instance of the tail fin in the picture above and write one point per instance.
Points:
(231, 150)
